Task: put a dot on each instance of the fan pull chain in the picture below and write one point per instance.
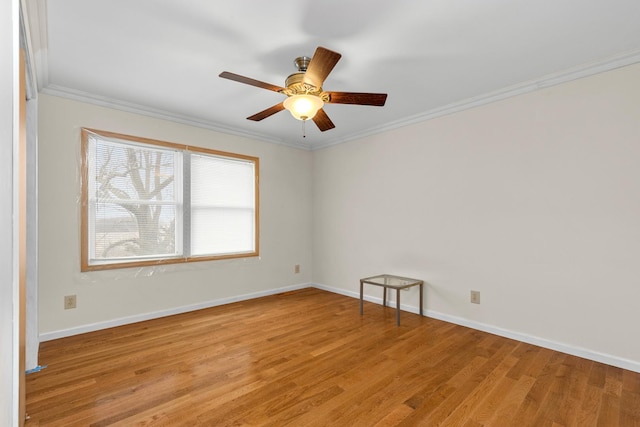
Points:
(304, 132)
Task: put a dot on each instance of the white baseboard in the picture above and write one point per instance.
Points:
(48, 336)
(630, 365)
(608, 359)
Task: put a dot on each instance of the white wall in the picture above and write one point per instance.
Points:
(534, 201)
(117, 296)
(9, 366)
(531, 200)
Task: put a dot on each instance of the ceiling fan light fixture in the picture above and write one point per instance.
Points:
(303, 107)
(305, 96)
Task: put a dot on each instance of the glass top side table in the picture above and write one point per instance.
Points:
(392, 282)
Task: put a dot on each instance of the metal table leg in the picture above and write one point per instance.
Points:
(398, 307)
(361, 295)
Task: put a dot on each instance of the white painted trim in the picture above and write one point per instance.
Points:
(618, 61)
(612, 63)
(103, 101)
(35, 12)
(48, 336)
(608, 359)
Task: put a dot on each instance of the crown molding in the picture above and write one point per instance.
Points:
(77, 95)
(35, 24)
(611, 63)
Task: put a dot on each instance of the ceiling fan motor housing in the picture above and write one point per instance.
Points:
(295, 85)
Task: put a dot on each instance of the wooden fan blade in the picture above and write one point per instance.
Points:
(320, 66)
(266, 113)
(375, 99)
(323, 121)
(248, 81)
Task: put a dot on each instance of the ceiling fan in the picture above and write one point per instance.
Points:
(305, 96)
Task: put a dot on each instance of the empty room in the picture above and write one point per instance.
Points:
(443, 227)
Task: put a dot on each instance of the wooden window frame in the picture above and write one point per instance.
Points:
(85, 264)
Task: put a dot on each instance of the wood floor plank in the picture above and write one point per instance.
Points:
(308, 358)
(590, 408)
(475, 393)
(508, 404)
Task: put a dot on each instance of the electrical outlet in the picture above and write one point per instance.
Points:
(475, 297)
(69, 302)
(296, 268)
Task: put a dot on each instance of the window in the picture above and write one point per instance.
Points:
(147, 202)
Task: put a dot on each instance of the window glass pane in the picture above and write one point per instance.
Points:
(146, 202)
(133, 201)
(119, 234)
(222, 205)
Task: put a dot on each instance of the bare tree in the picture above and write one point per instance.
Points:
(135, 181)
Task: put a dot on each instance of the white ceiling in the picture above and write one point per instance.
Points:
(163, 57)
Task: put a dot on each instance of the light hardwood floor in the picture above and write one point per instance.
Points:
(307, 358)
